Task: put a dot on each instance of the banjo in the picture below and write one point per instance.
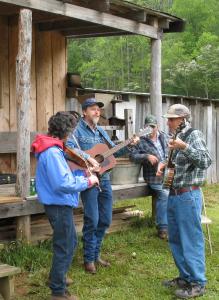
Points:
(170, 171)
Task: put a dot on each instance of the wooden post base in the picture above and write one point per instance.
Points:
(7, 281)
(7, 287)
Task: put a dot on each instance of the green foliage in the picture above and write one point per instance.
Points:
(128, 278)
(190, 59)
(29, 258)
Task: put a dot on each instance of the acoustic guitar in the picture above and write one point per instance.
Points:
(170, 170)
(104, 155)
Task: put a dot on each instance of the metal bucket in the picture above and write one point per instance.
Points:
(125, 172)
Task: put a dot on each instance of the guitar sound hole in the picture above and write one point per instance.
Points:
(99, 158)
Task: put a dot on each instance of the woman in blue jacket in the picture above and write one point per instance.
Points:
(57, 189)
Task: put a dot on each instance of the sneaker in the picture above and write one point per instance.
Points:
(192, 291)
(175, 282)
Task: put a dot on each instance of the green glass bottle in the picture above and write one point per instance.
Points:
(32, 187)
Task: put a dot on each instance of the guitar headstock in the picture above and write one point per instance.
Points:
(181, 126)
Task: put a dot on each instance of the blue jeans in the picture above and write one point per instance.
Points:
(186, 237)
(97, 218)
(161, 205)
(64, 243)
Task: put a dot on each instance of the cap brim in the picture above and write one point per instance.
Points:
(148, 124)
(169, 116)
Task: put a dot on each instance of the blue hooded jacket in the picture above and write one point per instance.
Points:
(56, 184)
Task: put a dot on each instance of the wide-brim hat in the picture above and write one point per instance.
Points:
(177, 111)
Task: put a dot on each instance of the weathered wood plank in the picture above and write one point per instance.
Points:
(4, 76)
(59, 71)
(6, 270)
(90, 15)
(32, 206)
(13, 49)
(44, 79)
(5, 160)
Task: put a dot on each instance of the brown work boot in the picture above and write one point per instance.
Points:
(162, 234)
(90, 268)
(103, 263)
(69, 281)
(66, 296)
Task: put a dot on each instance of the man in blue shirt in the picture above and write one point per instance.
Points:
(97, 204)
(57, 189)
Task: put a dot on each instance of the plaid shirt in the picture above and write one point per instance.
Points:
(146, 146)
(191, 163)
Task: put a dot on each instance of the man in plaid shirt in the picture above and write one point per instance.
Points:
(191, 158)
(150, 151)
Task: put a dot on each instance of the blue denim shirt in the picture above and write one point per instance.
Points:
(88, 138)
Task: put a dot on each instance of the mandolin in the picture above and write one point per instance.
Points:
(104, 155)
(170, 170)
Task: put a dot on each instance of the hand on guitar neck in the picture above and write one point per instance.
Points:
(177, 144)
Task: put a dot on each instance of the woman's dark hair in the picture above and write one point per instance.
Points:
(61, 124)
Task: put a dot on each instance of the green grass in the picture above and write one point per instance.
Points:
(128, 278)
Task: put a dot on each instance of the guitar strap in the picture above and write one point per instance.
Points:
(187, 133)
(184, 138)
(105, 140)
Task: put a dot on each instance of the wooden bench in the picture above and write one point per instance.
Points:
(7, 280)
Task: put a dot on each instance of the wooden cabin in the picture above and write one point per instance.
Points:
(33, 67)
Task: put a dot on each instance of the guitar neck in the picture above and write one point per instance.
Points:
(169, 162)
(170, 156)
(116, 148)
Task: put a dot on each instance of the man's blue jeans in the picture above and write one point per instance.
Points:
(186, 237)
(64, 243)
(161, 205)
(97, 218)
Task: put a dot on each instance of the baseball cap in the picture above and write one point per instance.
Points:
(90, 102)
(177, 111)
(150, 120)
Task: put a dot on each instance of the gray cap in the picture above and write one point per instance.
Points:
(177, 111)
(150, 120)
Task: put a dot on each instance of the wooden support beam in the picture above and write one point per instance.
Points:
(129, 124)
(140, 16)
(164, 23)
(93, 31)
(23, 72)
(155, 82)
(89, 15)
(101, 5)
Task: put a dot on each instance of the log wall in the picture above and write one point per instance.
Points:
(48, 84)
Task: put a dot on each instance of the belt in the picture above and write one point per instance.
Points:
(183, 190)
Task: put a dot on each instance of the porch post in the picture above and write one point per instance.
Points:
(155, 83)
(23, 73)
